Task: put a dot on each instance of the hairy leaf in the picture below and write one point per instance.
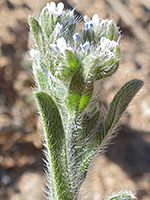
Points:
(47, 23)
(72, 60)
(37, 33)
(55, 140)
(117, 107)
(120, 103)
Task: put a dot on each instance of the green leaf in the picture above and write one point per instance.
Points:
(46, 81)
(116, 109)
(72, 60)
(87, 92)
(120, 103)
(55, 140)
(37, 33)
(77, 82)
(47, 23)
(82, 82)
(41, 75)
(76, 87)
(72, 100)
(85, 98)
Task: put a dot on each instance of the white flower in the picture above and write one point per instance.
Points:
(89, 24)
(55, 10)
(85, 47)
(58, 28)
(76, 38)
(55, 47)
(107, 45)
(61, 43)
(96, 19)
(60, 46)
(86, 19)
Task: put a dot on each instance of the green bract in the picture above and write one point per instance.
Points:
(66, 64)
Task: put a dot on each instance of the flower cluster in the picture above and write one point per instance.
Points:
(97, 41)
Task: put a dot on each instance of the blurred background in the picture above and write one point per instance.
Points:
(126, 165)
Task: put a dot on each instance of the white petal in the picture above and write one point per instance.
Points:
(102, 39)
(55, 47)
(52, 5)
(95, 19)
(113, 45)
(60, 6)
(47, 5)
(76, 38)
(61, 43)
(105, 43)
(56, 11)
(58, 28)
(85, 46)
(86, 19)
(70, 49)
